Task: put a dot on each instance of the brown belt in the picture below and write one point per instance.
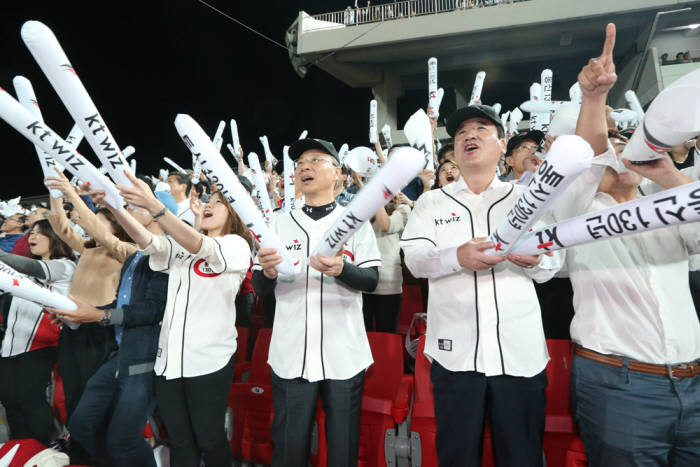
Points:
(683, 370)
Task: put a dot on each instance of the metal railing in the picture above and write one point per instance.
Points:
(402, 9)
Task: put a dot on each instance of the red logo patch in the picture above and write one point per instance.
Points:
(202, 269)
(349, 255)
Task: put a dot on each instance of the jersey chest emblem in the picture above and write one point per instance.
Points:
(202, 269)
(452, 218)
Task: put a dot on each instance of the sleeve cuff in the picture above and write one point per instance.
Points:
(449, 260)
(157, 245)
(117, 316)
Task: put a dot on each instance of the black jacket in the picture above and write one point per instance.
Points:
(141, 318)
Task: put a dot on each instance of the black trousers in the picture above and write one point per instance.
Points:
(194, 411)
(23, 382)
(514, 405)
(295, 406)
(381, 312)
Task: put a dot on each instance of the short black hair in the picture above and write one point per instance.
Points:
(442, 153)
(182, 179)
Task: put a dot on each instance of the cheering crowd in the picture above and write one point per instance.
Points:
(161, 284)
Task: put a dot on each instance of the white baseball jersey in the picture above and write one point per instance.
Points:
(487, 321)
(198, 333)
(319, 330)
(28, 327)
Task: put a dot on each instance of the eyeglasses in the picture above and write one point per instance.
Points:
(315, 161)
(527, 147)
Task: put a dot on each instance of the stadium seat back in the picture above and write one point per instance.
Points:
(260, 370)
(384, 376)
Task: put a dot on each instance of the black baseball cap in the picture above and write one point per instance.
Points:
(299, 147)
(472, 111)
(534, 135)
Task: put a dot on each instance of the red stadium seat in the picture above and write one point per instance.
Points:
(30, 453)
(251, 403)
(241, 362)
(58, 399)
(411, 303)
(385, 402)
(562, 445)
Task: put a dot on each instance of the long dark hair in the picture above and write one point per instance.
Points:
(119, 231)
(235, 224)
(57, 248)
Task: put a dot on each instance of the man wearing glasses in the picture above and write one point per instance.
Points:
(521, 156)
(319, 344)
(12, 230)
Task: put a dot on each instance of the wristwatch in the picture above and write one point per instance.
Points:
(106, 318)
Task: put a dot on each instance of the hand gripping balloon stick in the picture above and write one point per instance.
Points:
(678, 205)
(289, 185)
(47, 52)
(435, 95)
(260, 186)
(26, 97)
(401, 168)
(221, 175)
(568, 158)
(266, 147)
(373, 121)
(419, 134)
(41, 135)
(219, 135)
(671, 119)
(236, 142)
(478, 87)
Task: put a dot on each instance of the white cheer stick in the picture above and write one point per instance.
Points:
(41, 135)
(47, 52)
(539, 106)
(575, 93)
(231, 150)
(535, 117)
(419, 134)
(174, 165)
(478, 87)
(132, 165)
(373, 121)
(128, 151)
(221, 175)
(75, 137)
(679, 205)
(266, 147)
(289, 185)
(504, 119)
(634, 104)
(568, 158)
(672, 118)
(435, 95)
(19, 285)
(196, 171)
(219, 135)
(401, 168)
(386, 133)
(26, 97)
(163, 175)
(362, 160)
(235, 140)
(6, 460)
(564, 120)
(497, 108)
(515, 117)
(260, 186)
(343, 153)
(624, 115)
(303, 134)
(546, 78)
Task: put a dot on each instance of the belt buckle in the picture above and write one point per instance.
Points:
(670, 371)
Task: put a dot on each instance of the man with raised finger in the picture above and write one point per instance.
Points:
(484, 332)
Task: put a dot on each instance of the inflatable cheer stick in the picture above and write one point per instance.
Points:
(478, 87)
(568, 158)
(373, 121)
(420, 136)
(401, 168)
(47, 52)
(289, 186)
(41, 135)
(260, 186)
(219, 135)
(221, 175)
(236, 141)
(26, 97)
(678, 205)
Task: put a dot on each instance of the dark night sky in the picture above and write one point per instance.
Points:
(143, 62)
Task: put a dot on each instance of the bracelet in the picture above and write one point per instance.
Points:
(160, 213)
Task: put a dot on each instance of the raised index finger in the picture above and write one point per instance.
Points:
(609, 44)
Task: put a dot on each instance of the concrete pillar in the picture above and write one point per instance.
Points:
(386, 94)
(460, 98)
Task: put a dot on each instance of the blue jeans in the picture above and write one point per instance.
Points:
(111, 415)
(627, 418)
